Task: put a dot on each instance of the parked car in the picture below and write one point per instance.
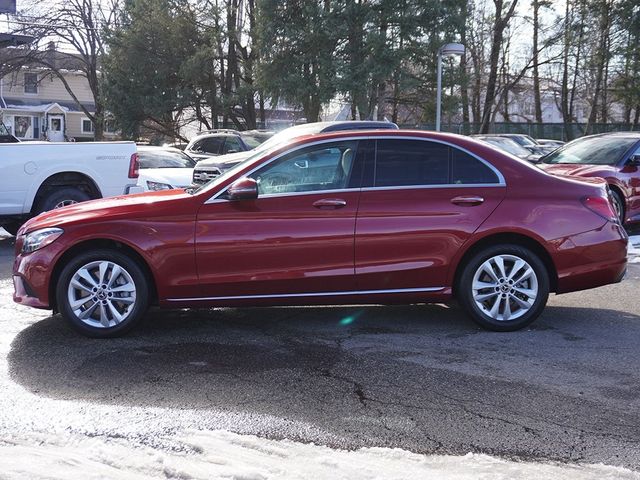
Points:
(224, 141)
(528, 142)
(612, 156)
(179, 145)
(549, 143)
(510, 146)
(41, 176)
(208, 169)
(360, 217)
(164, 168)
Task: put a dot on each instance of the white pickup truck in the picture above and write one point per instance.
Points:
(40, 176)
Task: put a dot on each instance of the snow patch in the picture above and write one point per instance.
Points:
(221, 454)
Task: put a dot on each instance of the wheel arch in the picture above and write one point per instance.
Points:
(65, 179)
(103, 243)
(511, 238)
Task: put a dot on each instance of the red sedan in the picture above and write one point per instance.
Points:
(612, 156)
(361, 217)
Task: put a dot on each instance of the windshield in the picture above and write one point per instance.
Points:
(507, 145)
(164, 159)
(592, 151)
(255, 139)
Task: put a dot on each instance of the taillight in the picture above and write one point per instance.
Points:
(134, 166)
(601, 206)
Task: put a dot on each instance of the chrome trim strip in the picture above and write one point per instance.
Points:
(444, 185)
(501, 180)
(318, 294)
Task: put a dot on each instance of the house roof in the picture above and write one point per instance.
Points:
(43, 105)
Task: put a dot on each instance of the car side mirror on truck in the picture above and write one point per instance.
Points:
(243, 189)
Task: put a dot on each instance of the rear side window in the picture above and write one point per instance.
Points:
(411, 162)
(466, 169)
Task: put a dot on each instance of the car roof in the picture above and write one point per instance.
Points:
(627, 134)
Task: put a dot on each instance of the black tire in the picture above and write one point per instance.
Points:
(618, 205)
(52, 198)
(481, 316)
(12, 227)
(92, 326)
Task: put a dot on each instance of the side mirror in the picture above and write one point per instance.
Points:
(243, 189)
(634, 161)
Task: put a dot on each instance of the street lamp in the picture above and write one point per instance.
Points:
(447, 50)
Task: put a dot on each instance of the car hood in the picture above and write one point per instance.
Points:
(575, 170)
(176, 177)
(104, 209)
(225, 161)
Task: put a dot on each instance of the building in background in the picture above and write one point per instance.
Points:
(35, 104)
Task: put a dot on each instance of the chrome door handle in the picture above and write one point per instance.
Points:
(467, 201)
(329, 203)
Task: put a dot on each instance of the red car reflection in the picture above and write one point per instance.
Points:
(344, 218)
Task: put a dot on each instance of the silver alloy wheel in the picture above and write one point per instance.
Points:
(617, 207)
(64, 203)
(101, 294)
(505, 287)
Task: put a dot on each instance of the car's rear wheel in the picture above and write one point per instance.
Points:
(504, 287)
(618, 205)
(102, 293)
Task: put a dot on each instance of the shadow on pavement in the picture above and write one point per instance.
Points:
(210, 358)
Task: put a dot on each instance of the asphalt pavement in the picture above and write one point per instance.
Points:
(423, 378)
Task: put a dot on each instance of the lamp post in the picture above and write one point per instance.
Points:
(447, 50)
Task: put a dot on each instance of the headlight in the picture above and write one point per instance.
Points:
(155, 186)
(40, 238)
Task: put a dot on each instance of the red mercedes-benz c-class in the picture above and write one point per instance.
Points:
(356, 217)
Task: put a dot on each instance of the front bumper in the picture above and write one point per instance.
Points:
(32, 274)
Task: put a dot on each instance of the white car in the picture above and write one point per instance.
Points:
(164, 168)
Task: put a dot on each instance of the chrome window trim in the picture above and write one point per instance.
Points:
(311, 294)
(501, 180)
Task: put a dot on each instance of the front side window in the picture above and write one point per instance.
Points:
(30, 83)
(411, 162)
(231, 145)
(319, 167)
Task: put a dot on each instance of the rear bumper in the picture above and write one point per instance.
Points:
(591, 259)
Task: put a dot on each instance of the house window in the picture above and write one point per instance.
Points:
(30, 83)
(87, 126)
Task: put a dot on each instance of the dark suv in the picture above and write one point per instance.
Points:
(207, 170)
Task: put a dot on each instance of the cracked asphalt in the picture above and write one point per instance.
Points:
(423, 378)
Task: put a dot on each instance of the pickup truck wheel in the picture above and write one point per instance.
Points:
(61, 198)
(102, 293)
(12, 227)
(504, 287)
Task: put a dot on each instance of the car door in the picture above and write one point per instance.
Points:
(295, 238)
(420, 202)
(630, 176)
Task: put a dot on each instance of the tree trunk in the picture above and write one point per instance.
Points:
(500, 23)
(536, 73)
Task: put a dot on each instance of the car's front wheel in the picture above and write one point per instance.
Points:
(504, 287)
(102, 293)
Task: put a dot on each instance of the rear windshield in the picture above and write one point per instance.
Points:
(592, 151)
